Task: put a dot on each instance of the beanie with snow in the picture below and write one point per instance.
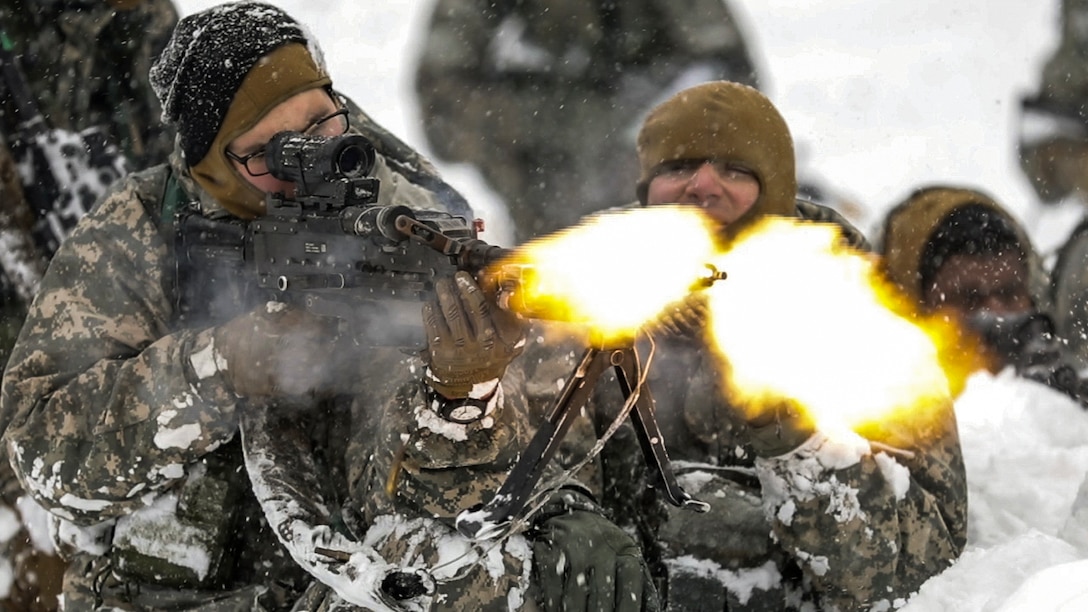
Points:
(200, 71)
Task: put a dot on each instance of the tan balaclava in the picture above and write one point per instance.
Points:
(911, 224)
(281, 74)
(725, 121)
(223, 70)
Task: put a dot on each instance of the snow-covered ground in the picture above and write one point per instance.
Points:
(882, 97)
(1026, 451)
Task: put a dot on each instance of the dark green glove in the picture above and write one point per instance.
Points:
(583, 561)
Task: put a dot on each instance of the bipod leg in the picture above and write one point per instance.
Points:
(514, 493)
(649, 434)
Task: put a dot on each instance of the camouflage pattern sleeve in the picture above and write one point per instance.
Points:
(869, 522)
(418, 463)
(411, 473)
(103, 404)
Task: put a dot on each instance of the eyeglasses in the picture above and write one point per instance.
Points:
(685, 169)
(332, 125)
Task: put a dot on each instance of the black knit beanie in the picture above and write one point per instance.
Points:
(206, 60)
(972, 229)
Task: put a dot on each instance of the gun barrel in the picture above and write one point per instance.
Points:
(477, 254)
(469, 254)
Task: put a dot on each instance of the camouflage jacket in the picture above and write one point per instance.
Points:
(795, 531)
(111, 425)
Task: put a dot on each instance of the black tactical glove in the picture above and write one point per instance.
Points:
(583, 561)
(470, 339)
(278, 350)
(1029, 343)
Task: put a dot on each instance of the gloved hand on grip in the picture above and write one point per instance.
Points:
(583, 561)
(277, 350)
(470, 340)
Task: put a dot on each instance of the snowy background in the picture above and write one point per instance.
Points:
(882, 96)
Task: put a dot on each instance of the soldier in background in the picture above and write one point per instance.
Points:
(545, 97)
(769, 540)
(956, 251)
(1053, 143)
(1053, 151)
(86, 63)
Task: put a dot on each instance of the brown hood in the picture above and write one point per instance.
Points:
(283, 73)
(727, 121)
(910, 225)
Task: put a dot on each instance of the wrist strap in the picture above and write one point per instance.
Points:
(462, 410)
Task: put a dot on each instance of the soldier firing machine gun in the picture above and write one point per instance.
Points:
(334, 251)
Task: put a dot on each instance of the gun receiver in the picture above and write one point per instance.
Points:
(330, 248)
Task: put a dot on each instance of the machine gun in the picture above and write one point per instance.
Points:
(329, 248)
